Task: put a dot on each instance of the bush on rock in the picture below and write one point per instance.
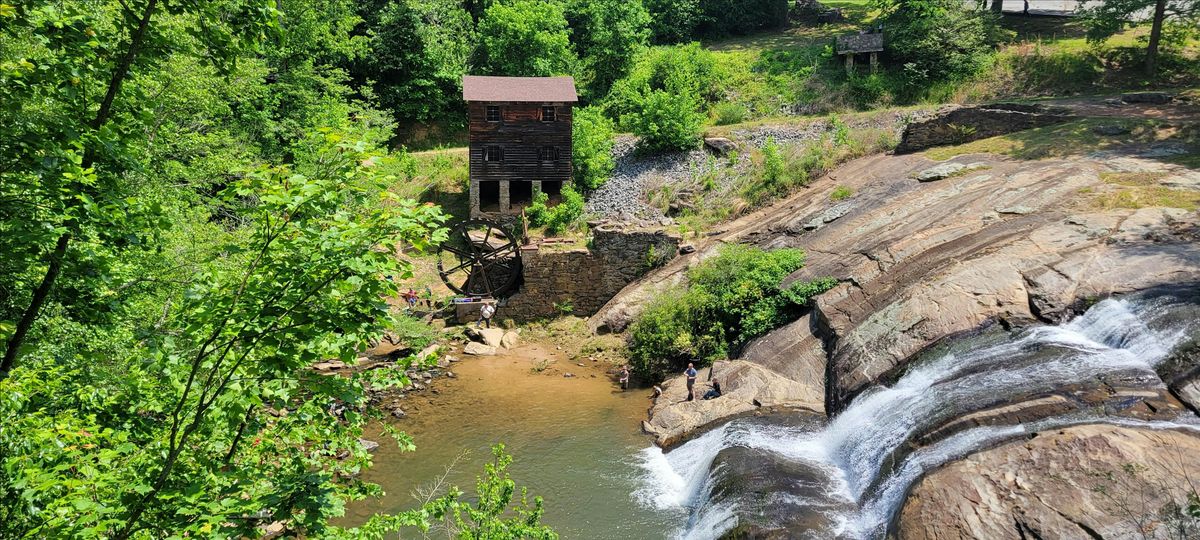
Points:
(730, 299)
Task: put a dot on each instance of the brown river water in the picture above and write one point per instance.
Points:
(576, 442)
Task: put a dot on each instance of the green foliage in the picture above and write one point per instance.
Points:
(419, 53)
(591, 147)
(673, 21)
(184, 441)
(720, 18)
(524, 38)
(608, 36)
(495, 492)
(685, 70)
(729, 300)
(666, 121)
(772, 165)
(560, 217)
(728, 112)
(936, 40)
(841, 193)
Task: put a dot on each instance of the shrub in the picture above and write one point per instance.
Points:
(592, 133)
(728, 112)
(720, 18)
(936, 40)
(772, 165)
(666, 121)
(841, 193)
(557, 218)
(730, 299)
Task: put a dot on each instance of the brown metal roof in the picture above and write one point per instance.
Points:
(529, 89)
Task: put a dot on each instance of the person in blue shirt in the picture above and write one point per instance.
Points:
(691, 380)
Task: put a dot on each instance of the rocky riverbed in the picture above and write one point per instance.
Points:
(1015, 248)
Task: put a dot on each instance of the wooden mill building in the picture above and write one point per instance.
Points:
(520, 140)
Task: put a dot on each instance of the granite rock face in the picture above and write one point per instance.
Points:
(1088, 482)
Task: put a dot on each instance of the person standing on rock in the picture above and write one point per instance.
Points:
(691, 381)
(486, 312)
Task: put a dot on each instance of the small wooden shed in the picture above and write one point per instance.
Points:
(520, 140)
(863, 43)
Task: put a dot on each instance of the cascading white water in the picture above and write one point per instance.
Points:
(1110, 337)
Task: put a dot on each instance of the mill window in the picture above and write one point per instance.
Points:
(493, 113)
(548, 153)
(493, 153)
(548, 114)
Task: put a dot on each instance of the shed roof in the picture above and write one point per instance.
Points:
(528, 89)
(860, 43)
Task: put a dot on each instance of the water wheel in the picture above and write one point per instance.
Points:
(480, 258)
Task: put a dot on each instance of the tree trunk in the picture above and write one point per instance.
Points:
(120, 72)
(35, 305)
(997, 6)
(1160, 8)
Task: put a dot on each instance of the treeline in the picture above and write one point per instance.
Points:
(420, 49)
(195, 206)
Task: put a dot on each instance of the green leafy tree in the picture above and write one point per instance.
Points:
(560, 217)
(609, 35)
(71, 132)
(488, 518)
(729, 300)
(591, 147)
(419, 53)
(936, 40)
(194, 441)
(525, 38)
(683, 69)
(1177, 19)
(666, 121)
(739, 17)
(673, 21)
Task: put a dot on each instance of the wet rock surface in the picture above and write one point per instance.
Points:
(1092, 481)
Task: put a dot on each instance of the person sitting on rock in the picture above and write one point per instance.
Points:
(714, 392)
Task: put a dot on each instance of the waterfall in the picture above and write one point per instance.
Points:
(854, 452)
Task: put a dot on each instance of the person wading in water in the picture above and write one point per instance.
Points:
(691, 381)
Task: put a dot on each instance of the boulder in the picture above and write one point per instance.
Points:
(746, 386)
(1091, 481)
(487, 336)
(720, 145)
(369, 446)
(945, 170)
(479, 349)
(1154, 98)
(510, 340)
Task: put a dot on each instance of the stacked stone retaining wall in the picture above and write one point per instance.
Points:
(965, 124)
(580, 281)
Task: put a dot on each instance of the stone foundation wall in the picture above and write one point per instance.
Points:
(966, 124)
(584, 279)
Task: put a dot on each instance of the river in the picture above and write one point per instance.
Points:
(576, 442)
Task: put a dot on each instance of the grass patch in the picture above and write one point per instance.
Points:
(841, 193)
(1135, 190)
(1067, 139)
(1148, 197)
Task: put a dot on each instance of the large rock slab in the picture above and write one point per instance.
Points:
(487, 336)
(1088, 482)
(747, 386)
(479, 349)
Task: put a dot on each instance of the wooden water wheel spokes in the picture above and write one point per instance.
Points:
(480, 258)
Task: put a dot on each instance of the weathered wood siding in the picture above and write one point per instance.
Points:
(522, 134)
